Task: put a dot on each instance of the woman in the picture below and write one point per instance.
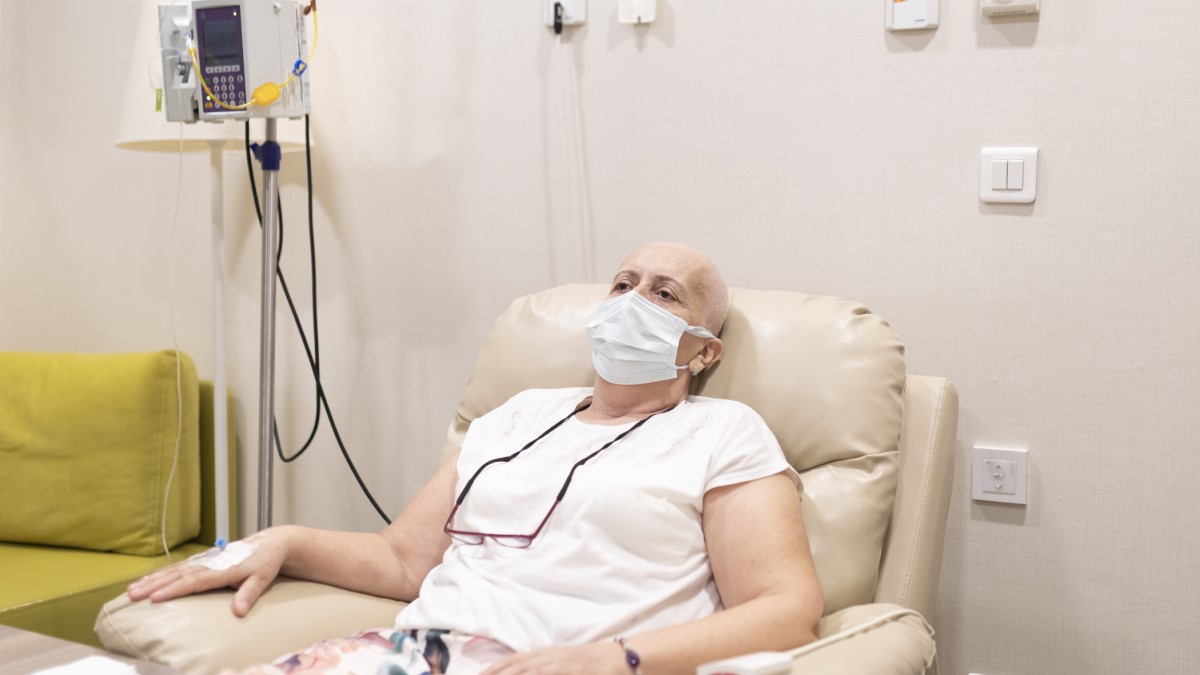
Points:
(623, 528)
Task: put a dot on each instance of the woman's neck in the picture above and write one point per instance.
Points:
(621, 403)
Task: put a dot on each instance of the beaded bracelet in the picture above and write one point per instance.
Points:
(631, 657)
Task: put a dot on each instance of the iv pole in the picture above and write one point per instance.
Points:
(269, 156)
(178, 25)
(220, 390)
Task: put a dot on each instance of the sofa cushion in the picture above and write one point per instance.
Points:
(58, 591)
(87, 444)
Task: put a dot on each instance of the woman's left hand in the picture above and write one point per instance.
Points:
(600, 658)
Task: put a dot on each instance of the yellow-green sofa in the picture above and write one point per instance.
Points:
(87, 445)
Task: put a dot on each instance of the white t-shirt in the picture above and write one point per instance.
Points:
(622, 553)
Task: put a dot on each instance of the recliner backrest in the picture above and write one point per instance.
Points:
(826, 375)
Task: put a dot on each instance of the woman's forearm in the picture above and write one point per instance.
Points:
(768, 623)
(357, 561)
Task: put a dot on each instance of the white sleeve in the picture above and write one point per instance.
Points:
(746, 451)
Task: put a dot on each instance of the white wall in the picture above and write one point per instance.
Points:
(462, 151)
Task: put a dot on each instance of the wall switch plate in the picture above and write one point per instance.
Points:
(999, 475)
(1008, 175)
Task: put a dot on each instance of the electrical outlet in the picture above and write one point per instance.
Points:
(999, 475)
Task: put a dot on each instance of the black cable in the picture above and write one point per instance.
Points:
(322, 400)
(316, 354)
(312, 248)
(312, 259)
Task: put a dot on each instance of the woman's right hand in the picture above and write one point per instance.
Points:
(250, 576)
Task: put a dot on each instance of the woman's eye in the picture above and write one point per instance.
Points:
(666, 295)
(621, 286)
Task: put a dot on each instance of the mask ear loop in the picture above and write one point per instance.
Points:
(703, 333)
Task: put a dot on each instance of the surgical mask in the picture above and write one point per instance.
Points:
(634, 341)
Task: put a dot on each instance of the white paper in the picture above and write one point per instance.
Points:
(92, 665)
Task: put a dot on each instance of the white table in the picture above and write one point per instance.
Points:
(23, 652)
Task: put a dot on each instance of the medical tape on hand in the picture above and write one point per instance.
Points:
(231, 555)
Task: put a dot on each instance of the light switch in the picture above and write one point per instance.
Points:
(1008, 175)
(1016, 174)
(999, 174)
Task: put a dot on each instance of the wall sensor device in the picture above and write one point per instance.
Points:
(636, 11)
(559, 13)
(911, 14)
(1010, 7)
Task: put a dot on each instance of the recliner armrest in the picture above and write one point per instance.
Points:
(881, 639)
(863, 639)
(200, 634)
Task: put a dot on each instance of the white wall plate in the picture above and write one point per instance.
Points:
(1010, 7)
(1008, 175)
(636, 11)
(574, 12)
(999, 475)
(910, 14)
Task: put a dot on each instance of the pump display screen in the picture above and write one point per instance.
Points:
(222, 60)
(222, 42)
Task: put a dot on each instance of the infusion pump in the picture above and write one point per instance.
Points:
(234, 59)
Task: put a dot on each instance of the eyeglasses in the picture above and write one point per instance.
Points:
(525, 540)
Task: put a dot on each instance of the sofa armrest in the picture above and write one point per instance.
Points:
(200, 634)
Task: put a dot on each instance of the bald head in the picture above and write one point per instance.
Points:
(700, 290)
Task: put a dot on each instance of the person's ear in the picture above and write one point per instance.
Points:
(709, 354)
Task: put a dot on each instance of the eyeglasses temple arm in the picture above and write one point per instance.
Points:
(467, 487)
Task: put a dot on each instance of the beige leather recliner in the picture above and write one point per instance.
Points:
(874, 446)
